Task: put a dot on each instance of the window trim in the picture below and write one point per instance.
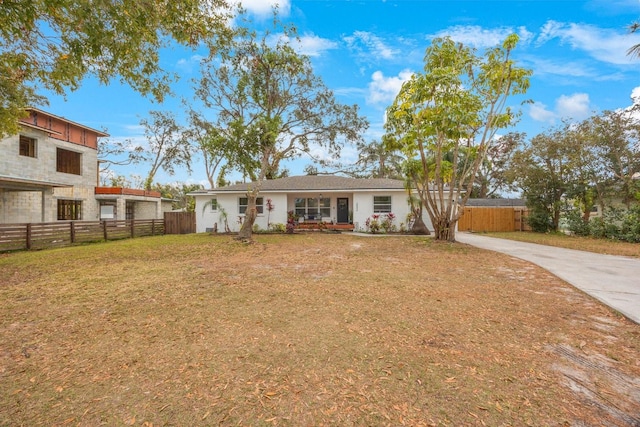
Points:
(380, 207)
(31, 144)
(321, 208)
(67, 166)
(214, 204)
(242, 208)
(69, 210)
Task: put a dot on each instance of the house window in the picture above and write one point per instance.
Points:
(69, 210)
(313, 207)
(68, 161)
(27, 146)
(214, 204)
(244, 201)
(381, 204)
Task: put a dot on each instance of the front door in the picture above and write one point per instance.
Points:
(343, 210)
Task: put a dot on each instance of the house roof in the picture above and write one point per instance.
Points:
(496, 202)
(96, 131)
(313, 183)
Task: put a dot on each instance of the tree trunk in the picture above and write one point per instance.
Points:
(419, 227)
(445, 230)
(246, 231)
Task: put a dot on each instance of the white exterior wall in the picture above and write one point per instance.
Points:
(363, 208)
(360, 203)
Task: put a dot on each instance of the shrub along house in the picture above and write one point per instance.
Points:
(312, 198)
(49, 172)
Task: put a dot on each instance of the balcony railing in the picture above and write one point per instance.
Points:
(127, 192)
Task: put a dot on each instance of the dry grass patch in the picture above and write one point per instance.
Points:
(561, 240)
(312, 329)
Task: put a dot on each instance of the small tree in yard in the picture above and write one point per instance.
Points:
(447, 119)
(269, 106)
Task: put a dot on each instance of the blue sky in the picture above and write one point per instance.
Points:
(365, 49)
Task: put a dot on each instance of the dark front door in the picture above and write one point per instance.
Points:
(343, 210)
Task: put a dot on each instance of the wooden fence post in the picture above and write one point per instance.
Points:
(28, 242)
(73, 232)
(104, 230)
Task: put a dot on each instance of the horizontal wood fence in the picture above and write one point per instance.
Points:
(486, 219)
(57, 234)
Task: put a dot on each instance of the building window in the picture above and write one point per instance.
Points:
(27, 146)
(69, 210)
(313, 207)
(243, 202)
(68, 161)
(214, 204)
(381, 204)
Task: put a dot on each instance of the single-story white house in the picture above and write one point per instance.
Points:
(330, 199)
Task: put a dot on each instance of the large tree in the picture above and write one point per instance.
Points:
(53, 44)
(616, 139)
(447, 118)
(212, 145)
(548, 169)
(167, 145)
(491, 178)
(268, 104)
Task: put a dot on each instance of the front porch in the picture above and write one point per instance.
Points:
(320, 226)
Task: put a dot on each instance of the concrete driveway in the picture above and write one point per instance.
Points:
(613, 280)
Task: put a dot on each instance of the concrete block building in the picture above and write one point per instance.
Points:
(49, 172)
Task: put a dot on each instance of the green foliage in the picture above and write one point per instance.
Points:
(278, 227)
(539, 219)
(267, 105)
(445, 120)
(178, 193)
(51, 45)
(585, 164)
(617, 224)
(576, 224)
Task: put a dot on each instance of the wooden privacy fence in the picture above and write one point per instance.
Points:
(485, 219)
(57, 234)
(180, 222)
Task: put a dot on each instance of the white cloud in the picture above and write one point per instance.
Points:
(474, 35)
(367, 43)
(384, 89)
(186, 65)
(573, 107)
(313, 45)
(576, 106)
(308, 44)
(564, 69)
(539, 112)
(602, 44)
(635, 95)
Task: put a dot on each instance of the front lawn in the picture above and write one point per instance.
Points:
(305, 329)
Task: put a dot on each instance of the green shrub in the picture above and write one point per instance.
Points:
(576, 224)
(278, 228)
(539, 220)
